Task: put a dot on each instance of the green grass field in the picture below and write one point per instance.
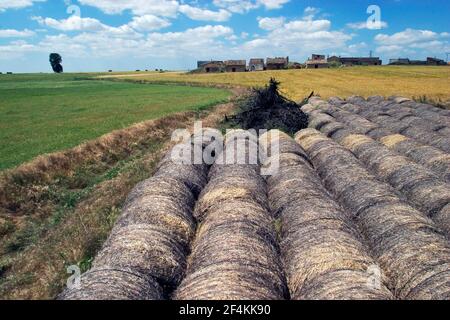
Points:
(43, 113)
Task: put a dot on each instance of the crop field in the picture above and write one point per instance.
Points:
(359, 209)
(433, 82)
(43, 113)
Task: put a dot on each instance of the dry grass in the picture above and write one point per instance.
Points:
(432, 82)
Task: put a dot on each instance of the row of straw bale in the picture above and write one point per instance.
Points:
(421, 106)
(235, 254)
(422, 187)
(425, 119)
(428, 156)
(323, 254)
(408, 246)
(423, 133)
(145, 256)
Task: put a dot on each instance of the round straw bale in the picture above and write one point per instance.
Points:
(194, 178)
(307, 108)
(401, 100)
(389, 217)
(234, 256)
(161, 211)
(430, 196)
(234, 170)
(378, 133)
(238, 211)
(108, 283)
(232, 280)
(316, 101)
(392, 140)
(336, 101)
(162, 186)
(342, 285)
(411, 254)
(319, 120)
(331, 128)
(221, 190)
(443, 218)
(351, 108)
(289, 160)
(146, 250)
(365, 193)
(434, 286)
(275, 141)
(375, 99)
(321, 247)
(171, 158)
(356, 99)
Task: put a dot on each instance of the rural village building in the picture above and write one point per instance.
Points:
(213, 67)
(317, 61)
(408, 62)
(235, 66)
(277, 63)
(256, 65)
(357, 61)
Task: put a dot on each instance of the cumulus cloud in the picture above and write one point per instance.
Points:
(12, 33)
(242, 6)
(297, 37)
(166, 8)
(209, 41)
(16, 4)
(149, 22)
(271, 23)
(73, 23)
(411, 40)
(204, 14)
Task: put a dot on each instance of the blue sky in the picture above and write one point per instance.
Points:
(97, 35)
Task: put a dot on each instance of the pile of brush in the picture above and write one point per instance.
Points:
(266, 108)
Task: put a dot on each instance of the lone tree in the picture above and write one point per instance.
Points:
(55, 62)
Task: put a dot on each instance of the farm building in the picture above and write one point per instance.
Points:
(435, 62)
(235, 66)
(357, 61)
(277, 63)
(213, 67)
(256, 65)
(202, 63)
(408, 62)
(317, 61)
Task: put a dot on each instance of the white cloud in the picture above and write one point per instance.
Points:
(298, 37)
(409, 36)
(412, 41)
(16, 4)
(149, 23)
(210, 41)
(242, 6)
(166, 8)
(273, 4)
(204, 14)
(271, 23)
(369, 26)
(11, 33)
(73, 23)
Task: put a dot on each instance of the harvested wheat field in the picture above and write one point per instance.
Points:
(359, 209)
